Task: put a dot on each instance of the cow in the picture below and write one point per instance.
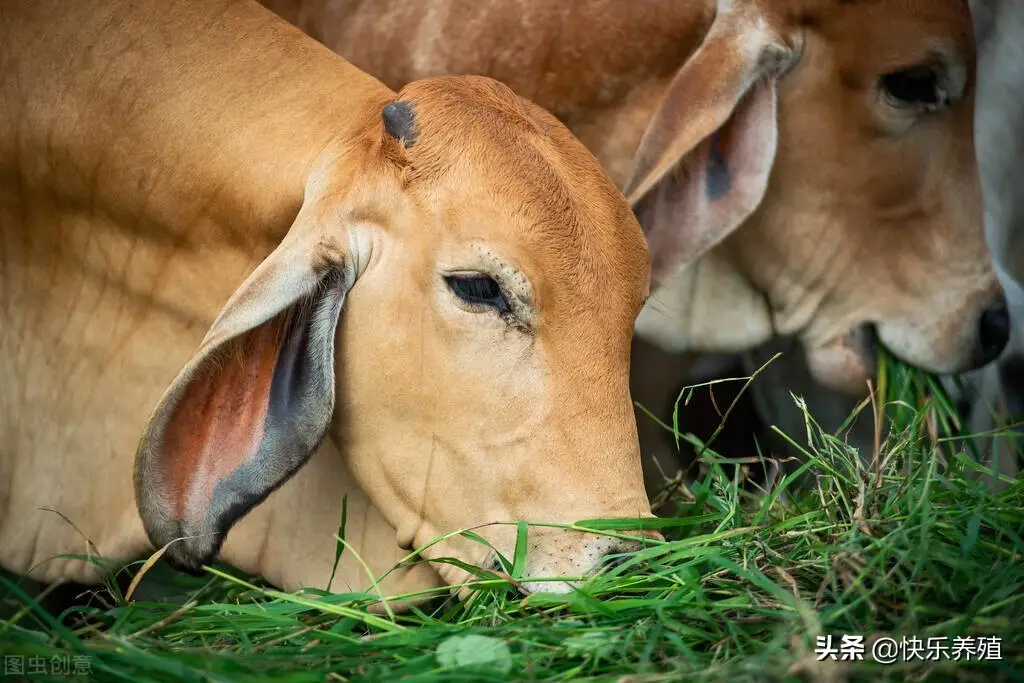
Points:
(245, 286)
(814, 159)
(990, 398)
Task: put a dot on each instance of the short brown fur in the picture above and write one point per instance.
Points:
(213, 173)
(871, 216)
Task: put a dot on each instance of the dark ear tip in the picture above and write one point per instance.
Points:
(185, 553)
(185, 564)
(400, 122)
(190, 557)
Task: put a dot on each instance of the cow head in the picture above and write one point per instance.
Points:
(825, 149)
(453, 305)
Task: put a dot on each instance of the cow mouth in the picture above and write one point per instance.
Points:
(848, 362)
(869, 343)
(865, 341)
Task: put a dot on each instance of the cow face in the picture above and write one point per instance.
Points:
(486, 275)
(485, 351)
(826, 149)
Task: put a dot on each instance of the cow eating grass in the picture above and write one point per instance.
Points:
(803, 169)
(261, 280)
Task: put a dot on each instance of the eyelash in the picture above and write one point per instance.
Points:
(479, 290)
(915, 86)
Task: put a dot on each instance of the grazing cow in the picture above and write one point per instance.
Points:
(995, 393)
(192, 195)
(801, 168)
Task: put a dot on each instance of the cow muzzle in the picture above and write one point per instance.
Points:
(557, 560)
(847, 363)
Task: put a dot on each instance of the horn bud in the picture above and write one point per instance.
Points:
(400, 122)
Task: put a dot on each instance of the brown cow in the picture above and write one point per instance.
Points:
(994, 395)
(192, 194)
(801, 168)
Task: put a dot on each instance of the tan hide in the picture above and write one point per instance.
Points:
(227, 256)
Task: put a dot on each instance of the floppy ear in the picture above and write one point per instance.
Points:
(703, 164)
(253, 403)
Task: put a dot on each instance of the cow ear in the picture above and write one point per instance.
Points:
(255, 400)
(704, 161)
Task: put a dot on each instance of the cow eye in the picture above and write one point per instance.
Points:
(917, 87)
(479, 290)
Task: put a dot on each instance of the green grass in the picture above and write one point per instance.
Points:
(918, 546)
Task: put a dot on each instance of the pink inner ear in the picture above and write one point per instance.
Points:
(714, 188)
(671, 215)
(220, 418)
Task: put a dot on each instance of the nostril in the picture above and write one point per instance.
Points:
(614, 561)
(994, 332)
(619, 554)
